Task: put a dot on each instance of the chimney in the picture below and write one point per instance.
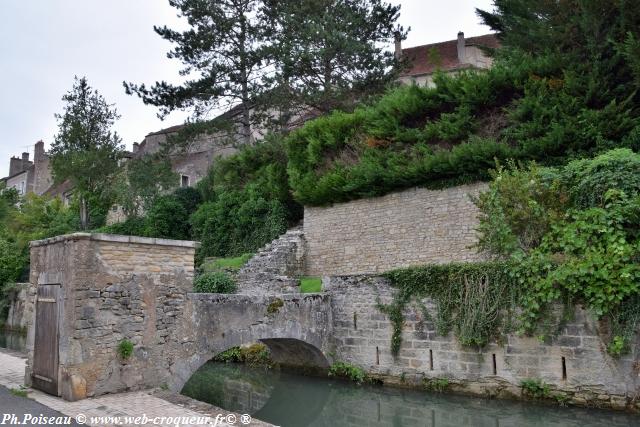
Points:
(25, 161)
(398, 45)
(38, 154)
(136, 147)
(15, 166)
(461, 45)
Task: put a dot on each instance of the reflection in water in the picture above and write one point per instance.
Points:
(13, 340)
(297, 401)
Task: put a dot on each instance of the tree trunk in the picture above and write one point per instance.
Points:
(244, 73)
(84, 214)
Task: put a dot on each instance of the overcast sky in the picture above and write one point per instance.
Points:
(44, 43)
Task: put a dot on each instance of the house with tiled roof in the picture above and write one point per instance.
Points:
(451, 56)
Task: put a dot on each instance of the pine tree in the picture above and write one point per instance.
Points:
(225, 48)
(331, 53)
(85, 151)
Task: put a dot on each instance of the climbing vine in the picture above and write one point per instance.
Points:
(475, 301)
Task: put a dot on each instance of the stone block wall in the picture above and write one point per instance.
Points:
(590, 377)
(411, 227)
(112, 288)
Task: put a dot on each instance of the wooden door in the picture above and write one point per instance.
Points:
(45, 346)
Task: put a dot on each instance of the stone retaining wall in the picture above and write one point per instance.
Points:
(411, 227)
(590, 377)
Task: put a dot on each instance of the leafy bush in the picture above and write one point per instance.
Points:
(535, 388)
(237, 222)
(168, 219)
(189, 198)
(348, 371)
(12, 262)
(435, 384)
(589, 179)
(519, 208)
(256, 354)
(214, 282)
(134, 226)
(125, 349)
(248, 202)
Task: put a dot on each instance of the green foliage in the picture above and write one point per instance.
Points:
(474, 301)
(189, 198)
(519, 208)
(591, 256)
(134, 226)
(237, 222)
(310, 284)
(85, 151)
(141, 181)
(125, 349)
(214, 282)
(12, 262)
(535, 388)
(348, 371)
(573, 95)
(256, 354)
(247, 201)
(168, 219)
(226, 264)
(590, 179)
(438, 385)
(274, 306)
(571, 235)
(19, 392)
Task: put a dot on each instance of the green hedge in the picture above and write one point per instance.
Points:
(523, 109)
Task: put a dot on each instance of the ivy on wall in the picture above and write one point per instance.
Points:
(474, 300)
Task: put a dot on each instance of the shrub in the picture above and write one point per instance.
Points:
(168, 219)
(588, 180)
(535, 388)
(348, 371)
(438, 385)
(133, 226)
(214, 282)
(189, 198)
(237, 222)
(12, 262)
(256, 354)
(519, 208)
(125, 349)
(275, 306)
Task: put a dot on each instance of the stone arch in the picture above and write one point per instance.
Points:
(292, 349)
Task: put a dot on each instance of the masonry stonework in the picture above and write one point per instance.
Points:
(590, 377)
(411, 227)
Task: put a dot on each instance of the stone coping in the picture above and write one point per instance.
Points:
(115, 238)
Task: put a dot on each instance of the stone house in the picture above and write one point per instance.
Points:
(28, 176)
(450, 56)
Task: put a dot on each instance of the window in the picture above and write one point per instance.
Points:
(22, 187)
(184, 181)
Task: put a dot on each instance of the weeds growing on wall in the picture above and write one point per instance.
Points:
(475, 301)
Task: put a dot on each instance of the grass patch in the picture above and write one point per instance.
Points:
(234, 263)
(310, 284)
(18, 392)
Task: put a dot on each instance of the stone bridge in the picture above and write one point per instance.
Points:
(96, 290)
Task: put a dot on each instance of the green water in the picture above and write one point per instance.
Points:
(296, 401)
(13, 340)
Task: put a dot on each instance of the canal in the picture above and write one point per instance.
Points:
(290, 400)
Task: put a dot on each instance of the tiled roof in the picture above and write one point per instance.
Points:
(428, 58)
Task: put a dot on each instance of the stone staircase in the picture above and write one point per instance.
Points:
(276, 267)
